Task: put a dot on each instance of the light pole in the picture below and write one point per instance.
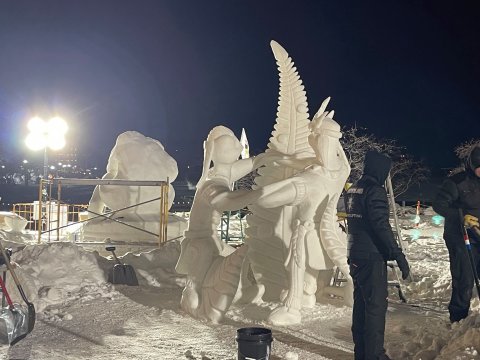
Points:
(46, 134)
(43, 135)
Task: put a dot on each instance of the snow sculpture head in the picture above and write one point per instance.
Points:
(137, 157)
(220, 147)
(325, 138)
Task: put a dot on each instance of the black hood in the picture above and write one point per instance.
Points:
(377, 165)
(473, 160)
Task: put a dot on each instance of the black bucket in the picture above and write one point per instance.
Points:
(254, 343)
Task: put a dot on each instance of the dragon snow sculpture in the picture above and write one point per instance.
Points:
(293, 233)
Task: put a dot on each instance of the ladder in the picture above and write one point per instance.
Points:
(398, 237)
(338, 277)
(225, 233)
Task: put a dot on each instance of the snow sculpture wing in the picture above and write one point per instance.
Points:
(269, 230)
(291, 131)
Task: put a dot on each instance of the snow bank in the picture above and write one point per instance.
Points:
(56, 273)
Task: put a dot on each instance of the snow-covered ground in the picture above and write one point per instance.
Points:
(81, 316)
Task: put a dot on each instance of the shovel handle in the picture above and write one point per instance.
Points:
(112, 249)
(14, 276)
(5, 293)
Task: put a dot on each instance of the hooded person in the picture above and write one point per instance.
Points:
(371, 244)
(458, 200)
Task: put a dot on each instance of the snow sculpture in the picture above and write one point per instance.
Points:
(134, 157)
(213, 267)
(13, 222)
(290, 245)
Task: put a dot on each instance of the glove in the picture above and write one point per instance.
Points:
(403, 265)
(470, 221)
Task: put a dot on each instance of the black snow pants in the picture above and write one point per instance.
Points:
(369, 307)
(462, 278)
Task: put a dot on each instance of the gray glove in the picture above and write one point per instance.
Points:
(403, 265)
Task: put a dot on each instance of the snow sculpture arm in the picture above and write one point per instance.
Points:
(286, 192)
(96, 204)
(234, 200)
(334, 246)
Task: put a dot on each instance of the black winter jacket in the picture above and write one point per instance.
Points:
(460, 191)
(370, 233)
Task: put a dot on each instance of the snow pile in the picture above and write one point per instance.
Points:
(428, 257)
(56, 273)
(438, 339)
(157, 267)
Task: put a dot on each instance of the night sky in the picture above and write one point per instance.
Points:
(172, 70)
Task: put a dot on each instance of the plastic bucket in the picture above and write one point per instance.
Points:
(254, 343)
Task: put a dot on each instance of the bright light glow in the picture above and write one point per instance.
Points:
(52, 167)
(55, 142)
(25, 161)
(37, 125)
(43, 134)
(57, 125)
(35, 142)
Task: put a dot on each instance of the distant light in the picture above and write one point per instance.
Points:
(37, 125)
(416, 234)
(43, 134)
(94, 168)
(3, 166)
(57, 125)
(52, 167)
(55, 142)
(25, 161)
(35, 142)
(59, 164)
(437, 219)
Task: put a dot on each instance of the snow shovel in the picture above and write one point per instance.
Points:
(121, 273)
(9, 253)
(19, 322)
(466, 239)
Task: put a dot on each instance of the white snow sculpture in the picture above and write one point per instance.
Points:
(290, 245)
(213, 267)
(11, 221)
(134, 157)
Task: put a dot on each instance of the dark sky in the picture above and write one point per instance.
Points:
(172, 70)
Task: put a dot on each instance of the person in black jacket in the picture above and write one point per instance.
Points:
(370, 244)
(459, 196)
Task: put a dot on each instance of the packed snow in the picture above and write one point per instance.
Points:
(81, 316)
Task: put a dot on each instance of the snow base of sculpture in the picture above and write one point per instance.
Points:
(102, 228)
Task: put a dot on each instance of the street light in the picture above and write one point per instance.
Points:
(46, 134)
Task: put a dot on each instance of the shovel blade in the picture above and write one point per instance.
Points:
(16, 323)
(123, 274)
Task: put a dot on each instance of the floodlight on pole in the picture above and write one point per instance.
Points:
(46, 134)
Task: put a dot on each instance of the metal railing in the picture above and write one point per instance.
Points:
(52, 214)
(29, 211)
